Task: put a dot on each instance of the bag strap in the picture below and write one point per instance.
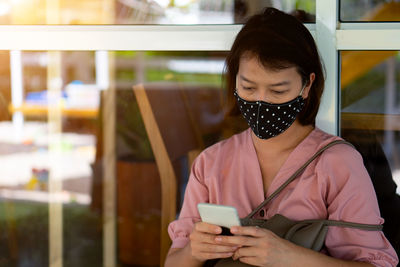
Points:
(362, 226)
(295, 174)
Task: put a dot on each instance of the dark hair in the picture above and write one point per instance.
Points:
(279, 41)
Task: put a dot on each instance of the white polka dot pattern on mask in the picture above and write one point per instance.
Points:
(268, 120)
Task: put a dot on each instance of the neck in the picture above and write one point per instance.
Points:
(286, 141)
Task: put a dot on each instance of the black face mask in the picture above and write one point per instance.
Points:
(268, 120)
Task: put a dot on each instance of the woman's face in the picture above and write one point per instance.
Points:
(254, 82)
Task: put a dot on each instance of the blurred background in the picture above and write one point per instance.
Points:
(61, 110)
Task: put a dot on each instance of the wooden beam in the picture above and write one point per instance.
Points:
(167, 174)
(364, 121)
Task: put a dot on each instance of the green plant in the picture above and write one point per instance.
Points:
(24, 239)
(132, 140)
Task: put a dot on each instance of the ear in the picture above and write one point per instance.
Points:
(308, 85)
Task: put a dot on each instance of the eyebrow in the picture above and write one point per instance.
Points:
(279, 84)
(245, 79)
(271, 85)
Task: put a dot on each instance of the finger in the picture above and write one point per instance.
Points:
(212, 255)
(250, 260)
(208, 228)
(236, 240)
(247, 255)
(246, 252)
(249, 231)
(207, 248)
(201, 237)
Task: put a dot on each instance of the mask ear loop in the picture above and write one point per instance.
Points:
(302, 89)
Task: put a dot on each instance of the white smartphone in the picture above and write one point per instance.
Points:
(221, 215)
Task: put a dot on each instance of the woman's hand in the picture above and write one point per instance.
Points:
(259, 247)
(203, 244)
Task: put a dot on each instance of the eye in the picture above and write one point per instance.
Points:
(247, 88)
(278, 92)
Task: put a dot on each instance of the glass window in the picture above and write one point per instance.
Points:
(369, 10)
(47, 151)
(370, 110)
(184, 92)
(54, 138)
(68, 12)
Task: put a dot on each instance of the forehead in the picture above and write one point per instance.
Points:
(251, 68)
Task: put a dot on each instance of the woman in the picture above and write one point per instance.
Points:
(275, 80)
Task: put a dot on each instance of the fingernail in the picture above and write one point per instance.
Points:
(217, 230)
(218, 239)
(234, 230)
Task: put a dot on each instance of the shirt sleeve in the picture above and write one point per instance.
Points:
(350, 196)
(196, 192)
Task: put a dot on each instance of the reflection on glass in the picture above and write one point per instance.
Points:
(46, 174)
(181, 93)
(370, 99)
(369, 10)
(23, 178)
(370, 119)
(143, 11)
(53, 130)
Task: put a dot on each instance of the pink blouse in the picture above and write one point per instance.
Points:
(336, 186)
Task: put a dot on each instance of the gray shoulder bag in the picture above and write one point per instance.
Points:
(307, 233)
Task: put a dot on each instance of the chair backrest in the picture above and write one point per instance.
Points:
(175, 119)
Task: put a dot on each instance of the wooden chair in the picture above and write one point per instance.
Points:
(175, 122)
